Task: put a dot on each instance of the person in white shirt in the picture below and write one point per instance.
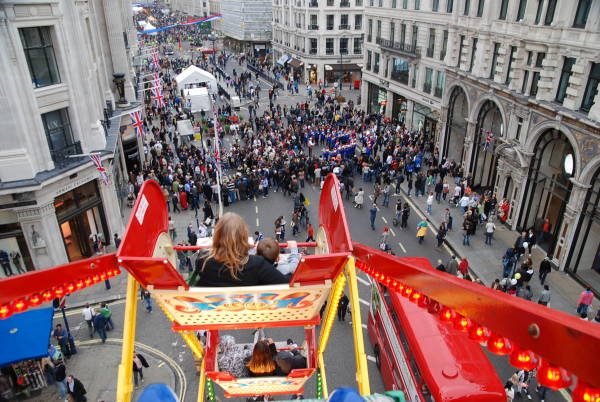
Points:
(490, 228)
(464, 203)
(88, 315)
(429, 202)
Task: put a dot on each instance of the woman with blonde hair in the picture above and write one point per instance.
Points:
(227, 262)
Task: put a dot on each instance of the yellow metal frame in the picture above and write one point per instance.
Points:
(196, 347)
(124, 383)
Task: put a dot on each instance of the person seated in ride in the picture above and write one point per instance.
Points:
(286, 264)
(232, 357)
(227, 262)
(262, 362)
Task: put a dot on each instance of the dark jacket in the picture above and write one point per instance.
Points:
(60, 372)
(78, 392)
(257, 271)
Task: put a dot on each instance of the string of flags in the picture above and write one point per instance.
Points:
(103, 175)
(137, 122)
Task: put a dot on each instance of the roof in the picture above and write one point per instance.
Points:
(25, 335)
(195, 75)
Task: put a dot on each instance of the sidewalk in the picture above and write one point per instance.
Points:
(485, 260)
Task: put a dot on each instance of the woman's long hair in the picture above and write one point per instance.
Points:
(230, 243)
(262, 359)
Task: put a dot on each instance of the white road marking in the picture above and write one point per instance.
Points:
(363, 301)
(402, 247)
(371, 359)
(361, 280)
(565, 395)
(161, 364)
(370, 196)
(393, 233)
(257, 222)
(256, 209)
(384, 220)
(364, 326)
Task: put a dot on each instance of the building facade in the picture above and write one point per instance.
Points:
(57, 94)
(246, 25)
(321, 40)
(406, 44)
(521, 115)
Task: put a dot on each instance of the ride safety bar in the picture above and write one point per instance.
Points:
(281, 245)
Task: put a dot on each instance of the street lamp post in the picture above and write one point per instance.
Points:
(213, 39)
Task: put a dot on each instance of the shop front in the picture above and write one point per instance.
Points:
(424, 119)
(14, 254)
(313, 76)
(348, 73)
(297, 69)
(376, 99)
(399, 108)
(81, 218)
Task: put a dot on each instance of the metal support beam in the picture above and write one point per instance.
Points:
(124, 383)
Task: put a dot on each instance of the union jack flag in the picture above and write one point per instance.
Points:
(137, 122)
(100, 168)
(489, 137)
(216, 151)
(156, 80)
(155, 56)
(158, 97)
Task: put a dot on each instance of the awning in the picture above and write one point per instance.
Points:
(25, 335)
(283, 59)
(342, 67)
(295, 63)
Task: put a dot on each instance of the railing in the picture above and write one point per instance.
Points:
(61, 157)
(400, 76)
(345, 4)
(438, 92)
(313, 4)
(344, 26)
(329, 52)
(404, 48)
(330, 27)
(442, 55)
(313, 51)
(313, 27)
(358, 27)
(266, 77)
(427, 88)
(430, 52)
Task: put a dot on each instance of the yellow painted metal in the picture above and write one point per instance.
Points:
(201, 382)
(321, 363)
(331, 311)
(194, 344)
(362, 371)
(124, 383)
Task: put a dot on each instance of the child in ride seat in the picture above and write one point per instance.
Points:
(287, 263)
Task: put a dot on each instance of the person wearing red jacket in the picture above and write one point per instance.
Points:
(463, 267)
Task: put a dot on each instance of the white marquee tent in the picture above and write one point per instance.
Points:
(194, 77)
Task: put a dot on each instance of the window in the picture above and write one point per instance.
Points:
(511, 60)
(357, 45)
(344, 45)
(435, 6)
(380, 3)
(473, 51)
(405, 4)
(428, 79)
(378, 33)
(359, 3)
(563, 83)
(403, 33)
(400, 70)
(431, 47)
(330, 18)
(394, 3)
(330, 3)
(358, 22)
(392, 32)
(503, 10)
(370, 31)
(524, 84)
(329, 46)
(521, 10)
(444, 46)
(529, 57)
(439, 84)
(550, 12)
(415, 34)
(58, 130)
(540, 59)
(313, 46)
(591, 89)
(581, 16)
(467, 7)
(449, 6)
(460, 49)
(519, 127)
(538, 13)
(313, 22)
(369, 60)
(39, 52)
(494, 60)
(417, 4)
(376, 64)
(414, 77)
(534, 84)
(344, 22)
(480, 7)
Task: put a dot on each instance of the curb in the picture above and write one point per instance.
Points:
(76, 306)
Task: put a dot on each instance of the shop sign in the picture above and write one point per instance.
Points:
(74, 184)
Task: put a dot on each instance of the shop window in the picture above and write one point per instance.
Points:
(565, 75)
(39, 52)
(503, 9)
(591, 89)
(14, 252)
(400, 70)
(581, 16)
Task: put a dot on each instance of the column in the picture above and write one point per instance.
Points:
(595, 110)
(390, 104)
(43, 236)
(569, 223)
(410, 107)
(112, 209)
(443, 127)
(577, 84)
(467, 150)
(118, 53)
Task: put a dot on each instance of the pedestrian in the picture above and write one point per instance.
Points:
(545, 296)
(76, 389)
(525, 293)
(172, 231)
(373, 215)
(531, 240)
(61, 336)
(108, 315)
(508, 262)
(88, 316)
(422, 231)
(490, 228)
(510, 392)
(440, 266)
(387, 190)
(545, 269)
(441, 234)
(258, 236)
(117, 240)
(463, 268)
(359, 198)
(520, 246)
(584, 303)
(60, 376)
(452, 265)
(429, 203)
(310, 233)
(100, 325)
(343, 307)
(405, 215)
(139, 363)
(467, 229)
(147, 299)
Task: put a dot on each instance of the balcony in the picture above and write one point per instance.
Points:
(329, 51)
(330, 27)
(313, 27)
(398, 47)
(427, 88)
(430, 52)
(299, 26)
(345, 4)
(443, 55)
(313, 4)
(438, 92)
(61, 158)
(344, 26)
(313, 51)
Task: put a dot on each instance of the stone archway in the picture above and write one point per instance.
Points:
(489, 127)
(456, 125)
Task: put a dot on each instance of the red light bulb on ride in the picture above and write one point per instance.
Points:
(47, 295)
(499, 345)
(20, 305)
(523, 359)
(59, 291)
(479, 333)
(424, 301)
(88, 281)
(447, 314)
(462, 323)
(407, 291)
(80, 284)
(35, 300)
(70, 287)
(96, 278)
(415, 297)
(553, 377)
(103, 276)
(585, 393)
(110, 273)
(5, 311)
(116, 271)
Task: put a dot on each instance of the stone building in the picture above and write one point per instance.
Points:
(319, 39)
(521, 115)
(246, 25)
(57, 95)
